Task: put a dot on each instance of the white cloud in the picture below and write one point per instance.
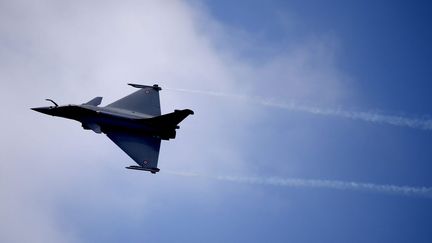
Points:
(72, 51)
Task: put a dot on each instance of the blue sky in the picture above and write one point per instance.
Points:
(64, 184)
(376, 39)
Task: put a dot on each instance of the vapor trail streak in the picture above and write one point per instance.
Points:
(417, 123)
(325, 184)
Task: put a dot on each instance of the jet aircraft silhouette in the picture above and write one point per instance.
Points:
(134, 123)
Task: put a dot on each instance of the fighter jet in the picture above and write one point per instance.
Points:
(134, 123)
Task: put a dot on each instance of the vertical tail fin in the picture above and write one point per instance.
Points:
(171, 120)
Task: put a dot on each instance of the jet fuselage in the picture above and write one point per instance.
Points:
(103, 119)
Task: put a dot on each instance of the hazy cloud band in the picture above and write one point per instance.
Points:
(326, 184)
(417, 123)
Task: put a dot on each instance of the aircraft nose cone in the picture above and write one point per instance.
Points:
(43, 110)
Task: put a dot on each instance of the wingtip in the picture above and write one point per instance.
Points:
(156, 87)
(140, 86)
(135, 167)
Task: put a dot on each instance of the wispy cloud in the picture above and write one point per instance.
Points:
(319, 184)
(367, 116)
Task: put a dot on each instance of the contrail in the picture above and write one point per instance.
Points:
(425, 192)
(417, 123)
